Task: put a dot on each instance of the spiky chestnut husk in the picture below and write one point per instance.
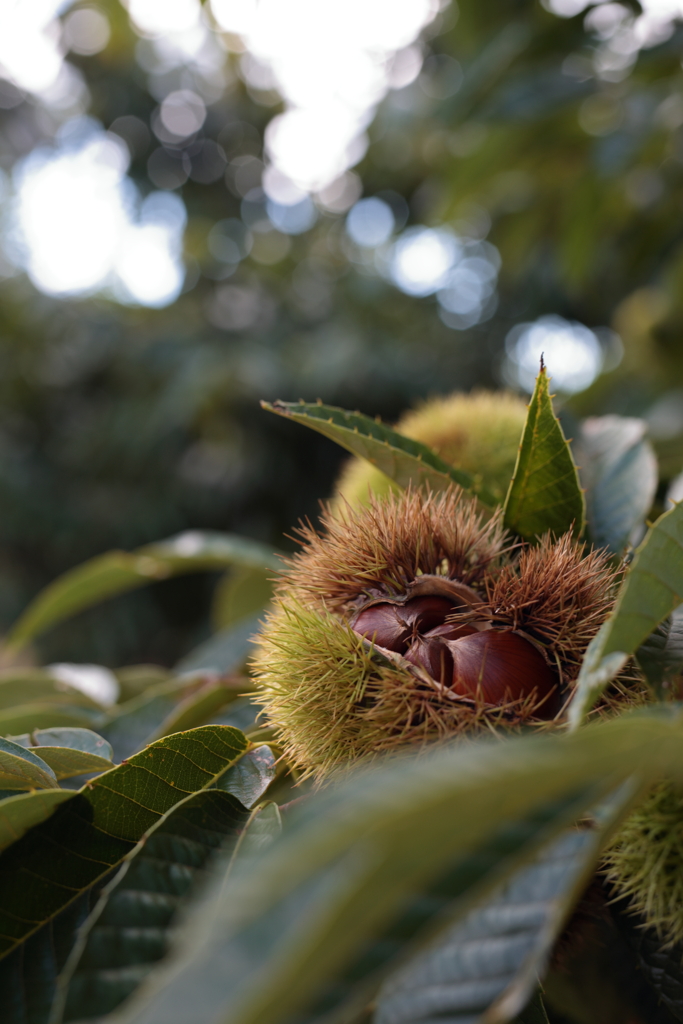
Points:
(468, 632)
(644, 862)
(478, 432)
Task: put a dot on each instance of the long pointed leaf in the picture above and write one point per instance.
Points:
(403, 460)
(119, 571)
(545, 494)
(491, 960)
(653, 589)
(286, 924)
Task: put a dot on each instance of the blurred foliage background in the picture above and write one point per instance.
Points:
(552, 137)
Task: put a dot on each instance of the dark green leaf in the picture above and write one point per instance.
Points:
(352, 858)
(106, 818)
(403, 460)
(20, 813)
(119, 571)
(497, 953)
(544, 494)
(618, 468)
(202, 704)
(653, 589)
(127, 931)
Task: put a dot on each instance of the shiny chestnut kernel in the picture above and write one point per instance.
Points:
(472, 659)
(394, 626)
(499, 667)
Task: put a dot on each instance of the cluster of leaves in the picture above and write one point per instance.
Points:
(162, 891)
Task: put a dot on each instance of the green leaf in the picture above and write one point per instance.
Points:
(202, 704)
(618, 468)
(290, 921)
(652, 590)
(127, 932)
(28, 717)
(26, 686)
(498, 951)
(403, 460)
(119, 571)
(69, 752)
(660, 657)
(545, 494)
(106, 818)
(249, 778)
(225, 651)
(22, 769)
(241, 594)
(20, 813)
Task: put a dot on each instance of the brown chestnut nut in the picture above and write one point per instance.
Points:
(499, 667)
(394, 625)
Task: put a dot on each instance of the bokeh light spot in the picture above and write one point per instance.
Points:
(370, 222)
(572, 353)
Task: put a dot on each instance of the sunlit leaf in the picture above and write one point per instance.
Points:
(119, 571)
(403, 460)
(653, 589)
(544, 494)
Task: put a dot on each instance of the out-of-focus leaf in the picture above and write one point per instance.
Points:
(675, 491)
(493, 958)
(127, 931)
(201, 704)
(22, 769)
(618, 468)
(403, 460)
(224, 652)
(28, 717)
(20, 813)
(25, 686)
(106, 818)
(119, 571)
(131, 725)
(69, 752)
(242, 593)
(136, 679)
(661, 963)
(652, 590)
(544, 493)
(660, 657)
(290, 921)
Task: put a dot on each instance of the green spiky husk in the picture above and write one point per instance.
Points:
(644, 862)
(478, 432)
(333, 701)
